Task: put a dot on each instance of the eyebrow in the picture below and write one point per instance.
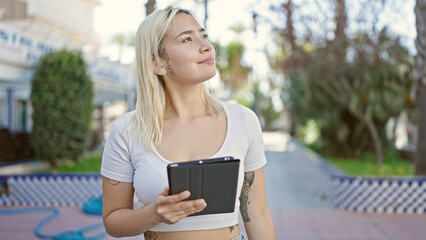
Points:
(189, 32)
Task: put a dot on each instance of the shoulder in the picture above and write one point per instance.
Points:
(122, 121)
(240, 112)
(119, 126)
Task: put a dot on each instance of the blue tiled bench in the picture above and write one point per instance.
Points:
(378, 195)
(50, 190)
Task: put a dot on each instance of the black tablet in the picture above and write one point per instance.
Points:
(214, 180)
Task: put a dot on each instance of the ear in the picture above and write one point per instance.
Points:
(158, 68)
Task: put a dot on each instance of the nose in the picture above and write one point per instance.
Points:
(206, 46)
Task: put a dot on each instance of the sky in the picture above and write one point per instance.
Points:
(124, 16)
(112, 16)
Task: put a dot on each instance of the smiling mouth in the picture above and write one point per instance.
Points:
(209, 60)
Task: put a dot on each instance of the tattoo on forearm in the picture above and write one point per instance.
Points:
(244, 201)
(150, 235)
(112, 182)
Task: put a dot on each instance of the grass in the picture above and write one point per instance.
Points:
(366, 166)
(88, 164)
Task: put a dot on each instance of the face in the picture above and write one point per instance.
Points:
(187, 56)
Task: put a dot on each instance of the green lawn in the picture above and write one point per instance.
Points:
(366, 166)
(89, 164)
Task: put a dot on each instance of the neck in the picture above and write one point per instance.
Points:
(185, 104)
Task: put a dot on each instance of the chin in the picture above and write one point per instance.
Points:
(212, 73)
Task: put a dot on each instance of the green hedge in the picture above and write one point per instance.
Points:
(61, 97)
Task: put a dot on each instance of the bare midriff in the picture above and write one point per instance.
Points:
(227, 233)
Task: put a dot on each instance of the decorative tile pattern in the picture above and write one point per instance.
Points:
(380, 195)
(50, 190)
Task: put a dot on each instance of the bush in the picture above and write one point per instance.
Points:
(61, 96)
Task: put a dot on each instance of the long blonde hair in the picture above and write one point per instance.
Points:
(147, 122)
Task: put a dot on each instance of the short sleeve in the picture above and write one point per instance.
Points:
(255, 157)
(116, 162)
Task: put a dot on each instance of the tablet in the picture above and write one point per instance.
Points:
(214, 180)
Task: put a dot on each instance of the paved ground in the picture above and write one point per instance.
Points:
(296, 182)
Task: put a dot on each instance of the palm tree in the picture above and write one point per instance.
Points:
(121, 40)
(420, 11)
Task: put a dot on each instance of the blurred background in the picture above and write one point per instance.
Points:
(340, 77)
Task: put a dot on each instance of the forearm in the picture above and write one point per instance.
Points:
(260, 227)
(130, 222)
(254, 209)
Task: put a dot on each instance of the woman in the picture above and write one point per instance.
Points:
(177, 120)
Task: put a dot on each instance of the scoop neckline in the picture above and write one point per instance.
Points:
(154, 149)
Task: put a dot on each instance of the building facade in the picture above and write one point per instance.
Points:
(31, 28)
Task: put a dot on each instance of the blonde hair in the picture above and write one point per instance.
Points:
(147, 122)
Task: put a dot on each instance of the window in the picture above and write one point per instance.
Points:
(20, 120)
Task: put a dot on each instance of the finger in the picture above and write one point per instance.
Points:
(198, 207)
(185, 207)
(165, 200)
(189, 207)
(165, 191)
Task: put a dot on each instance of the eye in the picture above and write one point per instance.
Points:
(206, 36)
(187, 39)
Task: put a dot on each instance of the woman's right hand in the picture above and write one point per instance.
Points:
(171, 209)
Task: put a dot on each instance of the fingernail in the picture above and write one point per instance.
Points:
(186, 194)
(202, 204)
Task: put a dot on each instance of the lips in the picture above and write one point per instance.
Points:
(208, 60)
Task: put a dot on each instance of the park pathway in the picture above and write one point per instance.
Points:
(296, 187)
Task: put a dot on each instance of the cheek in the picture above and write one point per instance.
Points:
(213, 51)
(182, 61)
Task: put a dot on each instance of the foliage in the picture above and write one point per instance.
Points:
(375, 84)
(263, 104)
(233, 72)
(351, 84)
(61, 97)
(366, 166)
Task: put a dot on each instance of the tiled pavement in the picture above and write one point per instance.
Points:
(296, 184)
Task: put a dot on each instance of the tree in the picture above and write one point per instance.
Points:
(350, 83)
(206, 10)
(420, 11)
(121, 40)
(150, 6)
(61, 96)
(233, 72)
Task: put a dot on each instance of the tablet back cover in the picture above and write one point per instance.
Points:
(214, 180)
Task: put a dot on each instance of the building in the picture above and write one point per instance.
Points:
(31, 28)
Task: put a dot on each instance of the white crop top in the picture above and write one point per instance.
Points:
(127, 161)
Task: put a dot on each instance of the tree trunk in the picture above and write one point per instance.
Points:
(374, 133)
(206, 12)
(150, 6)
(420, 69)
(340, 20)
(289, 25)
(420, 164)
(340, 42)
